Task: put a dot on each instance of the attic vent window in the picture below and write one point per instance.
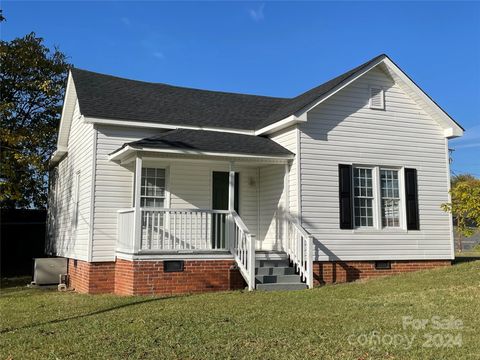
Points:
(377, 99)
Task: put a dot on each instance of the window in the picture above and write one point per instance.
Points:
(376, 197)
(390, 197)
(363, 197)
(377, 99)
(152, 192)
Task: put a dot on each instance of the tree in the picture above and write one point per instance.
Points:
(462, 178)
(32, 82)
(465, 205)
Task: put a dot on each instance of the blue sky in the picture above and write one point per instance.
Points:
(271, 48)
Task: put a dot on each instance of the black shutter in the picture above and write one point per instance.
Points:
(411, 194)
(345, 196)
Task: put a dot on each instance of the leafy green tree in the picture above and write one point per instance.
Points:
(465, 205)
(32, 82)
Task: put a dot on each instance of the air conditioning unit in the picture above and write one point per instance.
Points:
(47, 271)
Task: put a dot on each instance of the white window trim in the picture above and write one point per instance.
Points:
(374, 195)
(382, 91)
(377, 201)
(167, 197)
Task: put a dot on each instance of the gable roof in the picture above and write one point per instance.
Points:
(109, 97)
(112, 100)
(210, 142)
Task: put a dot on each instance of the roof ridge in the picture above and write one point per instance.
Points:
(176, 86)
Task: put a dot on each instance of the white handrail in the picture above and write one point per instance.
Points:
(300, 250)
(242, 246)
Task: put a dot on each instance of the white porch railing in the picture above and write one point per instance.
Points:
(183, 229)
(243, 249)
(164, 230)
(300, 250)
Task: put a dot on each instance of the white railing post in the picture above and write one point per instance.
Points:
(137, 245)
(310, 261)
(251, 262)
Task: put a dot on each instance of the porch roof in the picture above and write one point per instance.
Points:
(203, 142)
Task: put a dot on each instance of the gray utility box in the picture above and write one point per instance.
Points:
(47, 271)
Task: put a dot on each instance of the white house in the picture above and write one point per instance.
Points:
(163, 189)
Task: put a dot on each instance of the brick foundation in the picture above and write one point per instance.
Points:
(148, 277)
(141, 277)
(346, 271)
(125, 277)
(92, 278)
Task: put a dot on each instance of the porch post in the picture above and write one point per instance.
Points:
(286, 210)
(231, 205)
(138, 214)
(231, 188)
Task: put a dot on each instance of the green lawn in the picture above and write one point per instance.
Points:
(331, 322)
(469, 254)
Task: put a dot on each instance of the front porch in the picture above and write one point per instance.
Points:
(181, 209)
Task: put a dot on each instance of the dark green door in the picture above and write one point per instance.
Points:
(220, 202)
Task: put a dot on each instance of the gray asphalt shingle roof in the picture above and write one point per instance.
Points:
(212, 141)
(105, 96)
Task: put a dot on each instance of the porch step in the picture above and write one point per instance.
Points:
(278, 279)
(271, 275)
(275, 271)
(272, 263)
(279, 286)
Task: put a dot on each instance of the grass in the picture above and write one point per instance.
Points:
(314, 323)
(472, 253)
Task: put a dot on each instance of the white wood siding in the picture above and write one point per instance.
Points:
(272, 207)
(288, 138)
(344, 130)
(64, 238)
(113, 187)
(189, 185)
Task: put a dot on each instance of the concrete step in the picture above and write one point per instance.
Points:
(278, 279)
(272, 263)
(274, 271)
(270, 255)
(281, 286)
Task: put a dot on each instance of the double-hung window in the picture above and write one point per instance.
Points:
(152, 194)
(390, 198)
(363, 197)
(376, 197)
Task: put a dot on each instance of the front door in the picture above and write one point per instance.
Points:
(220, 202)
